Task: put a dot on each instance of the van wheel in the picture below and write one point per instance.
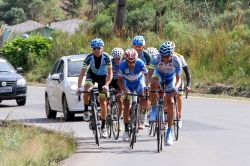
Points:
(21, 101)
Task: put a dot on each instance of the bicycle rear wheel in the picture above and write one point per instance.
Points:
(96, 123)
(176, 122)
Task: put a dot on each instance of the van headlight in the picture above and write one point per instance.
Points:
(21, 82)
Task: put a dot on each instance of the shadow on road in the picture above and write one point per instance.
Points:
(110, 145)
(45, 120)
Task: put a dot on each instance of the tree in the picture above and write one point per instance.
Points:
(15, 16)
(72, 7)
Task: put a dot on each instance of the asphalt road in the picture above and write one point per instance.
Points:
(215, 132)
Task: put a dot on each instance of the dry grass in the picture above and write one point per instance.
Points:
(29, 145)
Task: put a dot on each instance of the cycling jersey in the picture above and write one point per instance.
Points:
(135, 75)
(183, 62)
(145, 57)
(104, 64)
(166, 70)
(115, 69)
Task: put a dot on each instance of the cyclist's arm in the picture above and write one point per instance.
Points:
(109, 76)
(120, 83)
(178, 80)
(151, 69)
(83, 71)
(188, 76)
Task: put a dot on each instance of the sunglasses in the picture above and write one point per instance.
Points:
(130, 62)
(137, 47)
(117, 59)
(166, 56)
(97, 48)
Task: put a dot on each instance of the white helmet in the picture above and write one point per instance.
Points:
(117, 52)
(152, 51)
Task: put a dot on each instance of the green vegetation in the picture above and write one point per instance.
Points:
(26, 145)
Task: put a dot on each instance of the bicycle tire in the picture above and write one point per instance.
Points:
(159, 122)
(97, 128)
(154, 129)
(176, 122)
(130, 134)
(109, 127)
(115, 123)
(150, 128)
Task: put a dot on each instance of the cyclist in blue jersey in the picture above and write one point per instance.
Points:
(99, 70)
(138, 44)
(131, 78)
(117, 54)
(187, 88)
(152, 51)
(165, 66)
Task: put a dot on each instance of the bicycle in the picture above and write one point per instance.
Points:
(134, 112)
(176, 117)
(95, 120)
(160, 121)
(112, 121)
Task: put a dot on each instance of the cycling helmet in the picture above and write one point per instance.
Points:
(131, 55)
(138, 41)
(152, 51)
(173, 44)
(117, 52)
(25, 36)
(97, 43)
(166, 49)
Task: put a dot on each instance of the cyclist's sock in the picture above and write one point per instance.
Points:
(86, 107)
(103, 124)
(126, 127)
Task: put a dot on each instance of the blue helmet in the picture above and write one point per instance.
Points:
(138, 41)
(166, 49)
(96, 43)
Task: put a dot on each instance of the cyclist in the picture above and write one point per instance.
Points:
(100, 71)
(138, 44)
(152, 51)
(117, 54)
(131, 77)
(187, 87)
(165, 66)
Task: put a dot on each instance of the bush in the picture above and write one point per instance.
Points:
(27, 52)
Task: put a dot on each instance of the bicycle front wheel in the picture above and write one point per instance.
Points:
(96, 123)
(159, 125)
(115, 120)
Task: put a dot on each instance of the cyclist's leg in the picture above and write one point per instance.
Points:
(126, 104)
(180, 102)
(179, 97)
(89, 82)
(170, 105)
(103, 99)
(141, 89)
(101, 80)
(155, 81)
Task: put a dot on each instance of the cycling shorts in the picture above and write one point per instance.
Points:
(114, 84)
(138, 86)
(169, 81)
(92, 78)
